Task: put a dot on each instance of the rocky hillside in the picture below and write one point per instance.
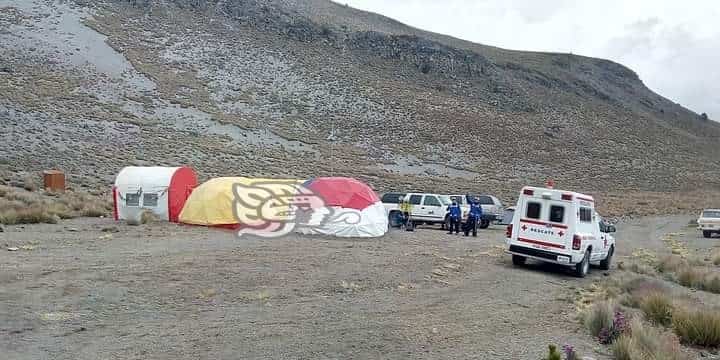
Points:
(306, 88)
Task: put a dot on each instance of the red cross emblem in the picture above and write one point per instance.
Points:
(524, 227)
(561, 233)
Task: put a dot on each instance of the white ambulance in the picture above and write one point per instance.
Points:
(560, 227)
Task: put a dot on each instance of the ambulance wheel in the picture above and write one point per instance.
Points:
(518, 260)
(583, 267)
(605, 264)
(484, 224)
(446, 224)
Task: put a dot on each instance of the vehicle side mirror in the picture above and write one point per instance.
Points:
(611, 229)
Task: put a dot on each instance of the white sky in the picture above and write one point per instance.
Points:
(673, 45)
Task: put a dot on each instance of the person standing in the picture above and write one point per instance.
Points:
(474, 217)
(455, 213)
(406, 210)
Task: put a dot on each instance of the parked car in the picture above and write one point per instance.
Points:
(560, 227)
(491, 206)
(507, 216)
(492, 209)
(390, 202)
(709, 222)
(428, 208)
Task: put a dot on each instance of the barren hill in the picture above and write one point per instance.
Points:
(306, 88)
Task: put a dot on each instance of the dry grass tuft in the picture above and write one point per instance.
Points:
(144, 217)
(670, 264)
(699, 278)
(658, 308)
(27, 215)
(636, 290)
(599, 317)
(645, 342)
(698, 327)
(30, 184)
(19, 206)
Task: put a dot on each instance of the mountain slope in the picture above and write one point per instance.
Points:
(307, 88)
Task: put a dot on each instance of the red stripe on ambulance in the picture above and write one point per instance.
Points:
(541, 243)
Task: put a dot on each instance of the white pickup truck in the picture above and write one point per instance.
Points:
(560, 227)
(709, 222)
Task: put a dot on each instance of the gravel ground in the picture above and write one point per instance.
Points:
(74, 291)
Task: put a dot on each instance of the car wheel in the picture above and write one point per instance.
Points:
(518, 260)
(393, 219)
(707, 234)
(445, 225)
(605, 264)
(583, 267)
(484, 224)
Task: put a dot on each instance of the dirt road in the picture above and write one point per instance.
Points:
(162, 291)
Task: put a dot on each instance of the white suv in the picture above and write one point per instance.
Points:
(428, 208)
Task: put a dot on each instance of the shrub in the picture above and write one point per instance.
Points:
(145, 217)
(29, 183)
(33, 215)
(699, 278)
(699, 327)
(640, 288)
(711, 283)
(690, 277)
(553, 354)
(657, 308)
(624, 348)
(669, 264)
(645, 342)
(619, 326)
(94, 212)
(570, 353)
(653, 343)
(639, 268)
(599, 317)
(23, 207)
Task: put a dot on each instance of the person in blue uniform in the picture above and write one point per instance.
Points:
(454, 214)
(473, 218)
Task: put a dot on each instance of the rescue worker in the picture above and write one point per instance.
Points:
(405, 210)
(474, 216)
(455, 213)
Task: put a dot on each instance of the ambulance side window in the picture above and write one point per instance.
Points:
(557, 213)
(585, 214)
(533, 210)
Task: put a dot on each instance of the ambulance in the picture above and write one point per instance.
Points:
(560, 227)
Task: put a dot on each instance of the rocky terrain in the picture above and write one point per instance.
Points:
(307, 88)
